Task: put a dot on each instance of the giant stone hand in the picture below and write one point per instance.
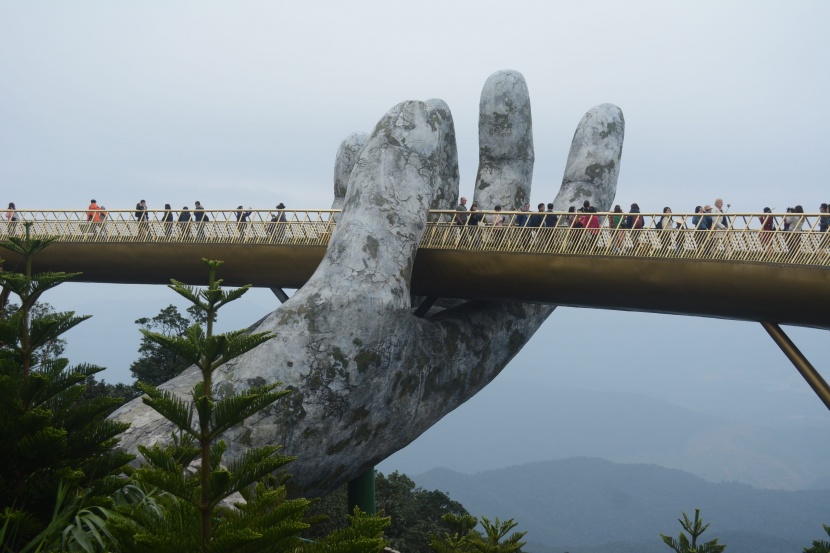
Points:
(368, 375)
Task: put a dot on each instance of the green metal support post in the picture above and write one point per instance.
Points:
(361, 492)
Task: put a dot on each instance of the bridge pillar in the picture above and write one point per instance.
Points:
(280, 293)
(361, 492)
(810, 374)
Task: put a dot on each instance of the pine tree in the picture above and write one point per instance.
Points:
(820, 546)
(695, 530)
(463, 538)
(156, 363)
(458, 538)
(55, 449)
(191, 470)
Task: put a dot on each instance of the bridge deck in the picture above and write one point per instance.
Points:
(741, 273)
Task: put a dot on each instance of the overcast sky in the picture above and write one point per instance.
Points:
(246, 103)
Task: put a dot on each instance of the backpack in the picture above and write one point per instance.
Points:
(638, 222)
(138, 210)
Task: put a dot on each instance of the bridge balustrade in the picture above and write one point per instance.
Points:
(743, 238)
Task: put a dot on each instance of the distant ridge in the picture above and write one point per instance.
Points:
(532, 422)
(582, 504)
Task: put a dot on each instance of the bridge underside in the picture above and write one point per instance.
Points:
(730, 290)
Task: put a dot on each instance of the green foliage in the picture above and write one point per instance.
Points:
(57, 452)
(463, 538)
(363, 535)
(415, 513)
(457, 539)
(156, 363)
(495, 538)
(211, 505)
(56, 535)
(695, 529)
(101, 388)
(820, 546)
(53, 348)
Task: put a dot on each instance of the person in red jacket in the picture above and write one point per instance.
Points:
(93, 214)
(95, 217)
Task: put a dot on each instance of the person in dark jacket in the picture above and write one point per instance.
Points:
(185, 229)
(538, 218)
(167, 220)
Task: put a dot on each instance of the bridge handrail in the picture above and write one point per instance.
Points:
(741, 239)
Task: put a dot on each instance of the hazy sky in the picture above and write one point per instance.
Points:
(246, 103)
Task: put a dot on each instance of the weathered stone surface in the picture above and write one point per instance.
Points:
(446, 190)
(368, 376)
(347, 155)
(505, 138)
(594, 160)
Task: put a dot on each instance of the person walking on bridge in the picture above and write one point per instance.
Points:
(242, 220)
(93, 217)
(538, 218)
(200, 218)
(460, 218)
(11, 217)
(634, 222)
(276, 227)
(521, 220)
(142, 218)
(550, 218)
(167, 221)
(767, 227)
(719, 220)
(185, 230)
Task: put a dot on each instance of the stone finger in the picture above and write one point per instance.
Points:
(347, 155)
(505, 135)
(391, 186)
(445, 195)
(594, 160)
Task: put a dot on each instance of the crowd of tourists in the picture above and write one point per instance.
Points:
(706, 217)
(189, 221)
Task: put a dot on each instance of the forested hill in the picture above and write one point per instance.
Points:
(580, 504)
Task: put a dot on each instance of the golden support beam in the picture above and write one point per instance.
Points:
(810, 374)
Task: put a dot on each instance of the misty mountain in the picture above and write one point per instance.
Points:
(587, 505)
(521, 423)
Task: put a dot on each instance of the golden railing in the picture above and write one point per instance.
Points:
(297, 227)
(741, 238)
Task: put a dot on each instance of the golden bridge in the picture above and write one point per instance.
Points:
(739, 272)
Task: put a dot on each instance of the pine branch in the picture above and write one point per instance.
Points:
(171, 407)
(232, 410)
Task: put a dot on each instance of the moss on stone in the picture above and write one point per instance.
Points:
(245, 438)
(371, 246)
(408, 385)
(358, 414)
(610, 129)
(363, 433)
(596, 171)
(367, 359)
(338, 447)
